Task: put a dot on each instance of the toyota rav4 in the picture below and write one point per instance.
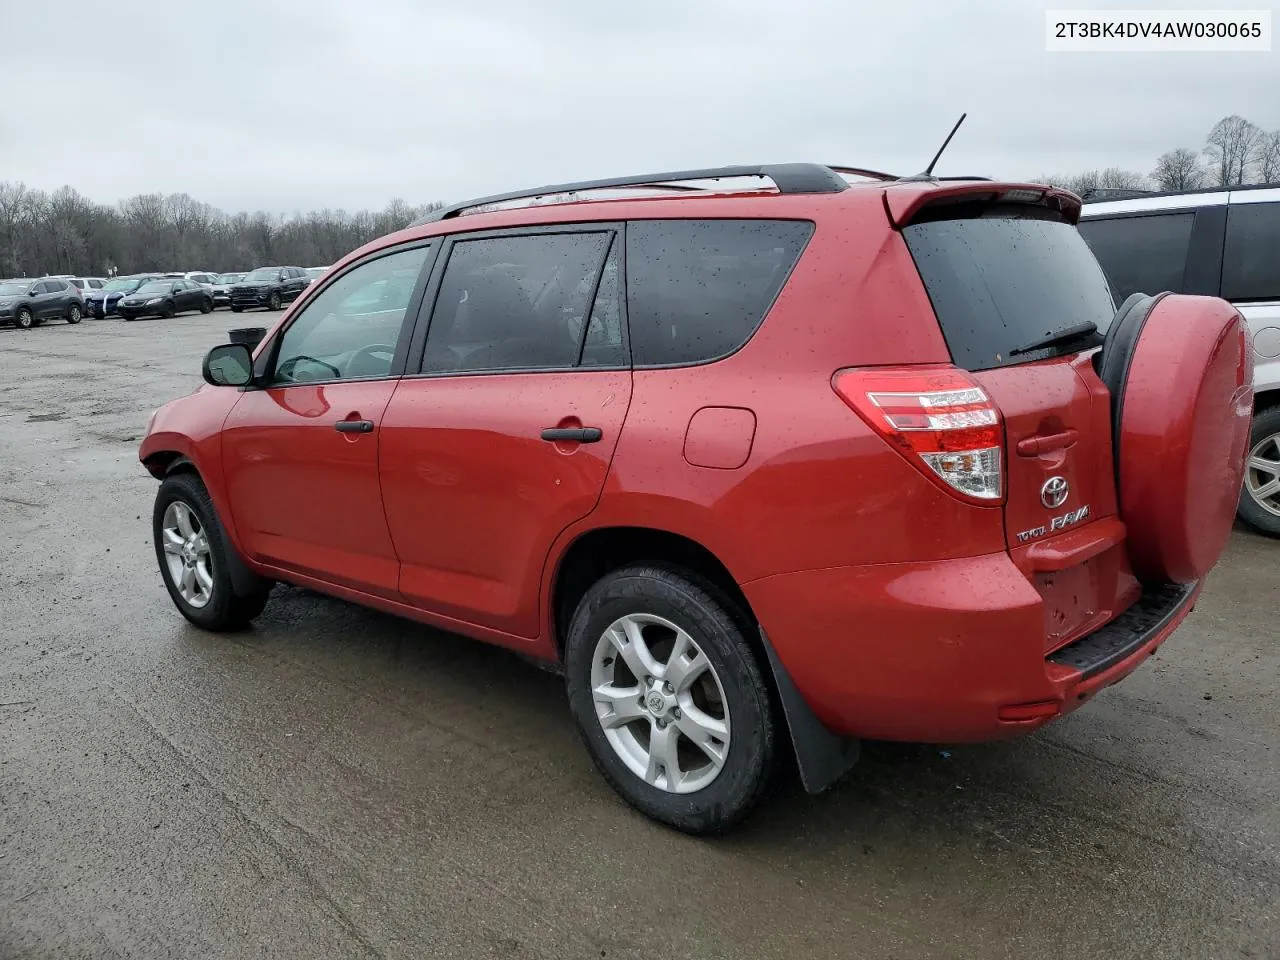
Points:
(763, 469)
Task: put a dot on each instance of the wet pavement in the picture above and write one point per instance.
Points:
(337, 783)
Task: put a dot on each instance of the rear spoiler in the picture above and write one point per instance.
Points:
(904, 201)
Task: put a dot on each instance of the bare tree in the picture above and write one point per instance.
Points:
(1112, 178)
(1179, 169)
(1231, 146)
(1267, 157)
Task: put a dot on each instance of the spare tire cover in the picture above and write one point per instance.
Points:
(1181, 415)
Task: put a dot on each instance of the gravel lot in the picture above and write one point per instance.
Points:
(337, 783)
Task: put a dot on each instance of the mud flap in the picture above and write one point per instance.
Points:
(822, 756)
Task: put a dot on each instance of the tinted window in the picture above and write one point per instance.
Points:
(1141, 254)
(1251, 259)
(511, 303)
(604, 345)
(350, 329)
(698, 289)
(95, 284)
(79, 284)
(1002, 280)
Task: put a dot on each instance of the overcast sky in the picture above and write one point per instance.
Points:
(291, 105)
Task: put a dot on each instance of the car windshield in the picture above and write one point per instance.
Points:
(266, 273)
(13, 289)
(155, 286)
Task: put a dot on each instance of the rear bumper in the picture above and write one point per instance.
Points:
(947, 651)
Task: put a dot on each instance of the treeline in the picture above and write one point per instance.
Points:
(65, 232)
(1235, 152)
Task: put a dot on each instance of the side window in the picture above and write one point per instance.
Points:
(95, 284)
(1251, 259)
(604, 345)
(698, 289)
(1141, 254)
(515, 303)
(78, 284)
(350, 329)
(39, 288)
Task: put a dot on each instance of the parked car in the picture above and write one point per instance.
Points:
(1219, 243)
(105, 302)
(29, 303)
(165, 297)
(86, 284)
(205, 280)
(269, 287)
(221, 290)
(838, 461)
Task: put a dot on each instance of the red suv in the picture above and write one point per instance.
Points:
(763, 470)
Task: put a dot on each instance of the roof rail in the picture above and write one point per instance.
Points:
(787, 177)
(1114, 193)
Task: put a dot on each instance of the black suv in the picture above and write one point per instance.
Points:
(29, 303)
(269, 287)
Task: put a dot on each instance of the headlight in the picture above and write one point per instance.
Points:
(154, 300)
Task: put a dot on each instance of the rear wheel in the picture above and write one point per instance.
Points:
(669, 698)
(1260, 499)
(195, 557)
(273, 303)
(74, 314)
(25, 318)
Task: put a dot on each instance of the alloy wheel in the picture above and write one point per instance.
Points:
(1262, 474)
(660, 703)
(186, 553)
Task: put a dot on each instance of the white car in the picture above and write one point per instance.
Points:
(1220, 242)
(85, 284)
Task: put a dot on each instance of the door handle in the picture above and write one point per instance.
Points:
(1046, 443)
(354, 426)
(572, 434)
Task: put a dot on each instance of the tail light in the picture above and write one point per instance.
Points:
(938, 417)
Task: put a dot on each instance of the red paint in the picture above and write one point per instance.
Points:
(1182, 449)
(720, 437)
(902, 609)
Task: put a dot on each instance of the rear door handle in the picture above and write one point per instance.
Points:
(1046, 443)
(572, 434)
(354, 426)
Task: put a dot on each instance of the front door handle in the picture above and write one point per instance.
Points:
(354, 426)
(572, 434)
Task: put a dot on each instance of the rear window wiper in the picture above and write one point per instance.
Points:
(1073, 332)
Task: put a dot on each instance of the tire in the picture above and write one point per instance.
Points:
(1264, 447)
(222, 609)
(24, 319)
(731, 693)
(236, 308)
(168, 311)
(273, 302)
(206, 305)
(74, 314)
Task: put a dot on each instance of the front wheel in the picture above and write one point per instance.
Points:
(236, 308)
(206, 306)
(74, 314)
(669, 698)
(1260, 499)
(195, 557)
(273, 303)
(25, 319)
(168, 311)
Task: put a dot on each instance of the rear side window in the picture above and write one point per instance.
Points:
(698, 289)
(1000, 281)
(79, 284)
(1251, 260)
(1141, 254)
(518, 303)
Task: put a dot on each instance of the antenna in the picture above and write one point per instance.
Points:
(928, 171)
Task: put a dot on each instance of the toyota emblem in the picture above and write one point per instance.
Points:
(1054, 492)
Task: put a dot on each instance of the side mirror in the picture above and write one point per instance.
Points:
(228, 365)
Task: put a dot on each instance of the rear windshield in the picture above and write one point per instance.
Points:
(1006, 278)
